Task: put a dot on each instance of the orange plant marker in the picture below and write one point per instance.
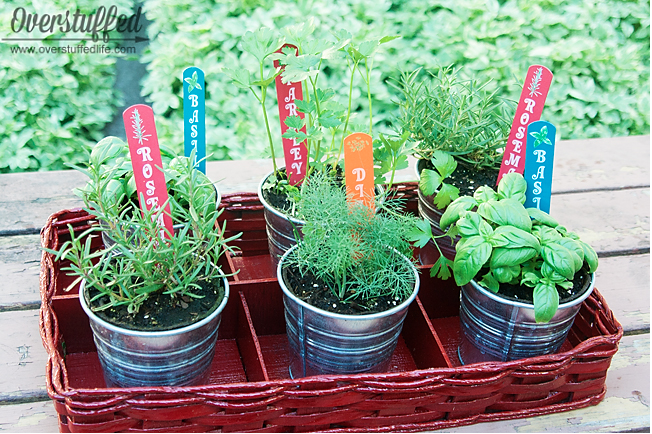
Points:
(359, 168)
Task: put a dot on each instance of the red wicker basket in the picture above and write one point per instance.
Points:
(249, 387)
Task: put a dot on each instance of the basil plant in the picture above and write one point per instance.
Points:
(514, 244)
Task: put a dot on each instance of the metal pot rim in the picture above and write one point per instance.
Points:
(521, 304)
(322, 312)
(269, 207)
(153, 334)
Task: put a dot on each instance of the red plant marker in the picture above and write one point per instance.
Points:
(296, 154)
(359, 168)
(147, 164)
(529, 109)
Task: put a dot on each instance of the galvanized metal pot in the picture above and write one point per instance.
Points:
(493, 328)
(430, 212)
(282, 229)
(179, 357)
(324, 342)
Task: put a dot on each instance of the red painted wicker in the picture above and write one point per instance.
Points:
(250, 390)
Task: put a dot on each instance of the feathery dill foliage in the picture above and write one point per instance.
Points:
(461, 118)
(353, 250)
(141, 262)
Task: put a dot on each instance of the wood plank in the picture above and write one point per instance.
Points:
(33, 417)
(625, 407)
(608, 163)
(20, 265)
(624, 281)
(607, 220)
(22, 357)
(29, 198)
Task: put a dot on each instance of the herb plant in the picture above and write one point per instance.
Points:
(140, 263)
(326, 120)
(111, 188)
(503, 242)
(356, 252)
(451, 120)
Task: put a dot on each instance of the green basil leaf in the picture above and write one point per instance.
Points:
(472, 224)
(429, 182)
(469, 261)
(490, 282)
(560, 259)
(455, 209)
(542, 217)
(447, 193)
(576, 248)
(506, 274)
(484, 194)
(546, 302)
(512, 237)
(506, 257)
(551, 274)
(546, 235)
(512, 186)
(444, 163)
(506, 212)
(590, 256)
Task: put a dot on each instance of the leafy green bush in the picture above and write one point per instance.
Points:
(598, 52)
(52, 105)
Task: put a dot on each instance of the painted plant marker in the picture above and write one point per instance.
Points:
(359, 168)
(147, 164)
(529, 109)
(194, 116)
(296, 154)
(539, 159)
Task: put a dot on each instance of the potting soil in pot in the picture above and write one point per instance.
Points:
(315, 292)
(162, 311)
(467, 180)
(525, 293)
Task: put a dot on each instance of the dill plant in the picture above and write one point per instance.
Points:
(357, 253)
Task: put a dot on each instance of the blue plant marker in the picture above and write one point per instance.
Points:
(539, 158)
(194, 115)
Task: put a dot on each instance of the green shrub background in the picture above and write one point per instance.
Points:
(599, 53)
(52, 106)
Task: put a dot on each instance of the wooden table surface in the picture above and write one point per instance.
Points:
(601, 190)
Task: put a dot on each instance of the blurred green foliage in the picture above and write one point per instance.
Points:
(52, 105)
(598, 51)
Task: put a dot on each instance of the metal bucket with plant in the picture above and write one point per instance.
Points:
(523, 275)
(347, 285)
(459, 130)
(324, 121)
(154, 303)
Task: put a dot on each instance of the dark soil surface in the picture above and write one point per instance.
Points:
(163, 312)
(467, 180)
(279, 200)
(525, 293)
(316, 293)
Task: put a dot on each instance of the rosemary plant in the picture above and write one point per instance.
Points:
(443, 112)
(141, 262)
(357, 253)
(111, 188)
(451, 121)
